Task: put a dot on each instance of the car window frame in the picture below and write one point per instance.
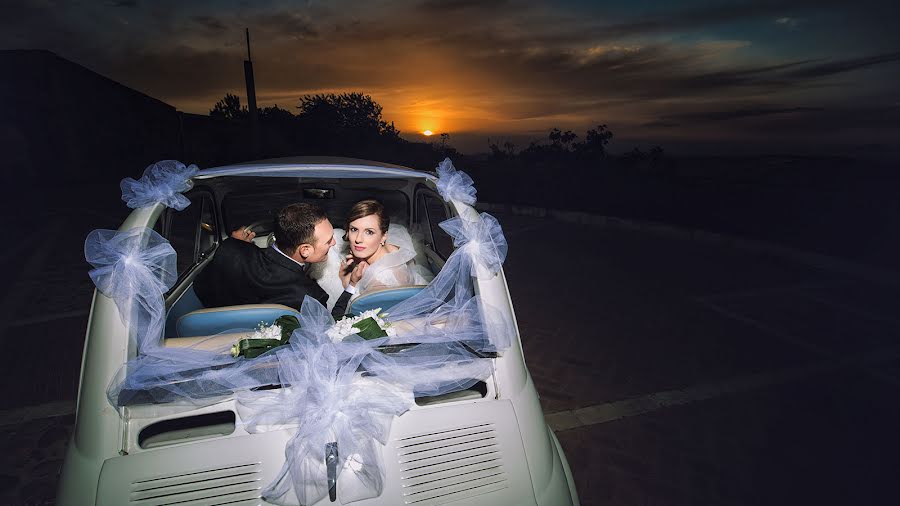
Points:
(197, 196)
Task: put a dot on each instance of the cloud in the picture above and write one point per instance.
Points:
(787, 22)
(446, 6)
(286, 24)
(737, 114)
(842, 66)
(711, 14)
(209, 23)
(660, 124)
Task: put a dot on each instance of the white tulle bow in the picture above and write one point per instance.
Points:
(134, 268)
(163, 183)
(331, 401)
(482, 240)
(455, 184)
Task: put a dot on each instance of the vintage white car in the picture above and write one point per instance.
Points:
(487, 444)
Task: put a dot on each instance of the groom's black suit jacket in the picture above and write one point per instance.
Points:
(241, 273)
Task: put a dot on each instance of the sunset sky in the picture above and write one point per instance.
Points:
(692, 76)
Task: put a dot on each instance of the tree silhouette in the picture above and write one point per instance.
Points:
(506, 152)
(561, 140)
(275, 114)
(229, 107)
(595, 141)
(345, 111)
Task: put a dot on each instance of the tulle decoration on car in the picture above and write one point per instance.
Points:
(134, 268)
(454, 184)
(162, 183)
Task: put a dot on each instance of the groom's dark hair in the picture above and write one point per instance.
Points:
(296, 225)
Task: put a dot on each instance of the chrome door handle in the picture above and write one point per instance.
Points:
(331, 462)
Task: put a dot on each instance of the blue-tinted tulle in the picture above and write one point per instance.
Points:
(162, 183)
(135, 268)
(347, 391)
(455, 184)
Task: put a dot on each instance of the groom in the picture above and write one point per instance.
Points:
(241, 273)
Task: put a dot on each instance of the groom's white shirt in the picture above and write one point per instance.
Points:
(349, 288)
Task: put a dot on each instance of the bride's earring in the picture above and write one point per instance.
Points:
(382, 243)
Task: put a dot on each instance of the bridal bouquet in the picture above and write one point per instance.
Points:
(266, 337)
(367, 325)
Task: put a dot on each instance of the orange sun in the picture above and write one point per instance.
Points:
(427, 133)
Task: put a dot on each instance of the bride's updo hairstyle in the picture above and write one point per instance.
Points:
(365, 208)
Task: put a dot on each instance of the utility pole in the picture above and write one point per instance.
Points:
(251, 100)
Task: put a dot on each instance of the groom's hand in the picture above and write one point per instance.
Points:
(243, 234)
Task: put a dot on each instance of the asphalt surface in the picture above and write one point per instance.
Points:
(673, 372)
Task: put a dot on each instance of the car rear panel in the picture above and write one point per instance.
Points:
(464, 453)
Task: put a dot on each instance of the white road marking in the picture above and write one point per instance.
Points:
(611, 411)
(755, 292)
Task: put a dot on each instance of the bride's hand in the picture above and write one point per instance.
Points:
(352, 270)
(358, 271)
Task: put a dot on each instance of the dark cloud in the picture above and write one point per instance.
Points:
(709, 14)
(658, 73)
(290, 24)
(124, 3)
(876, 121)
(660, 124)
(445, 6)
(737, 114)
(841, 66)
(210, 23)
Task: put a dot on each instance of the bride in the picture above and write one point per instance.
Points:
(384, 263)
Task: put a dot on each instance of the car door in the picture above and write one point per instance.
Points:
(431, 210)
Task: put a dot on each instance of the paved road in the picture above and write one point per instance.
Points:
(673, 372)
(681, 373)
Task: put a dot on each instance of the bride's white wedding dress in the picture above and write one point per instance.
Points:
(393, 269)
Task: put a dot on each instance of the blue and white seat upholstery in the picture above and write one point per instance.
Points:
(384, 298)
(215, 320)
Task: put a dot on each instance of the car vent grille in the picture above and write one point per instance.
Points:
(234, 485)
(444, 466)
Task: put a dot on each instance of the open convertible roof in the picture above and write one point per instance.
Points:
(315, 166)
